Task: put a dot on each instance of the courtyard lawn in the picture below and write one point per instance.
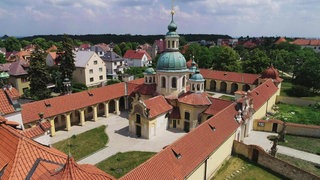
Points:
(237, 168)
(305, 165)
(286, 86)
(298, 114)
(308, 144)
(228, 98)
(121, 163)
(84, 144)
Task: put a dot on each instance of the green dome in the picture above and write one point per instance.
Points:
(197, 76)
(4, 75)
(172, 61)
(149, 70)
(172, 27)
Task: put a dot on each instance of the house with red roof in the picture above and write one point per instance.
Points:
(308, 43)
(18, 72)
(137, 58)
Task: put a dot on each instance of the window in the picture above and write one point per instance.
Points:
(100, 69)
(101, 77)
(163, 82)
(95, 62)
(183, 81)
(91, 71)
(261, 124)
(138, 118)
(174, 82)
(168, 44)
(173, 44)
(146, 79)
(115, 63)
(91, 79)
(187, 115)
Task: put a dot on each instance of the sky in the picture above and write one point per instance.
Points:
(290, 18)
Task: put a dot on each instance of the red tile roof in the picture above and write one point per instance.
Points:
(53, 48)
(38, 130)
(72, 171)
(5, 105)
(179, 159)
(58, 105)
(194, 98)
(19, 153)
(217, 105)
(157, 105)
(136, 54)
(306, 42)
(262, 93)
(12, 92)
(175, 114)
(280, 40)
(230, 76)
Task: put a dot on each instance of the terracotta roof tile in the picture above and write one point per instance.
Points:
(217, 105)
(136, 54)
(157, 105)
(230, 76)
(20, 153)
(179, 159)
(71, 171)
(5, 106)
(280, 40)
(12, 92)
(58, 105)
(38, 130)
(262, 93)
(17, 69)
(194, 98)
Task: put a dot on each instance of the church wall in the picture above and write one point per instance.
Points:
(214, 161)
(194, 113)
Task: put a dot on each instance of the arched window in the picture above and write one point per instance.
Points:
(154, 79)
(150, 79)
(169, 44)
(193, 87)
(198, 87)
(174, 82)
(183, 81)
(163, 82)
(146, 79)
(173, 42)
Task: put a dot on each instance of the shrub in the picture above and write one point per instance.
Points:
(299, 91)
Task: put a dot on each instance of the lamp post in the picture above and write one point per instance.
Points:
(67, 86)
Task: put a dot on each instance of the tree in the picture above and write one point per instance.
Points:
(117, 50)
(308, 74)
(2, 59)
(282, 60)
(225, 59)
(66, 58)
(24, 43)
(12, 44)
(41, 42)
(255, 62)
(38, 75)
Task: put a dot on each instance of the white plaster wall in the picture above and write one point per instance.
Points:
(16, 117)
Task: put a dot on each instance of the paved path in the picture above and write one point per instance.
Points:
(260, 138)
(119, 138)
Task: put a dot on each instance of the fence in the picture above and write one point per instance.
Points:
(258, 155)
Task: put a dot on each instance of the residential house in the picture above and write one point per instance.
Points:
(137, 58)
(158, 47)
(90, 69)
(18, 72)
(51, 59)
(114, 63)
(227, 42)
(100, 49)
(308, 43)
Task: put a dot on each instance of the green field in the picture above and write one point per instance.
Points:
(121, 163)
(237, 168)
(84, 144)
(308, 144)
(298, 114)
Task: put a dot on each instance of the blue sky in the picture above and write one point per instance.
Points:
(293, 18)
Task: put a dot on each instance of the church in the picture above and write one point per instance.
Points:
(173, 95)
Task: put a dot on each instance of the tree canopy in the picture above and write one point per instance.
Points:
(66, 58)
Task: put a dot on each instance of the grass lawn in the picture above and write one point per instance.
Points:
(286, 86)
(308, 144)
(84, 144)
(305, 165)
(229, 98)
(298, 114)
(249, 171)
(121, 163)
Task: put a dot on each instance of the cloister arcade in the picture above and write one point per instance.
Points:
(226, 86)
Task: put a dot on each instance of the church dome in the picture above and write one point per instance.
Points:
(149, 70)
(271, 72)
(172, 61)
(197, 76)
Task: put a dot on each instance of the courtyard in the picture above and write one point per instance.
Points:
(120, 140)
